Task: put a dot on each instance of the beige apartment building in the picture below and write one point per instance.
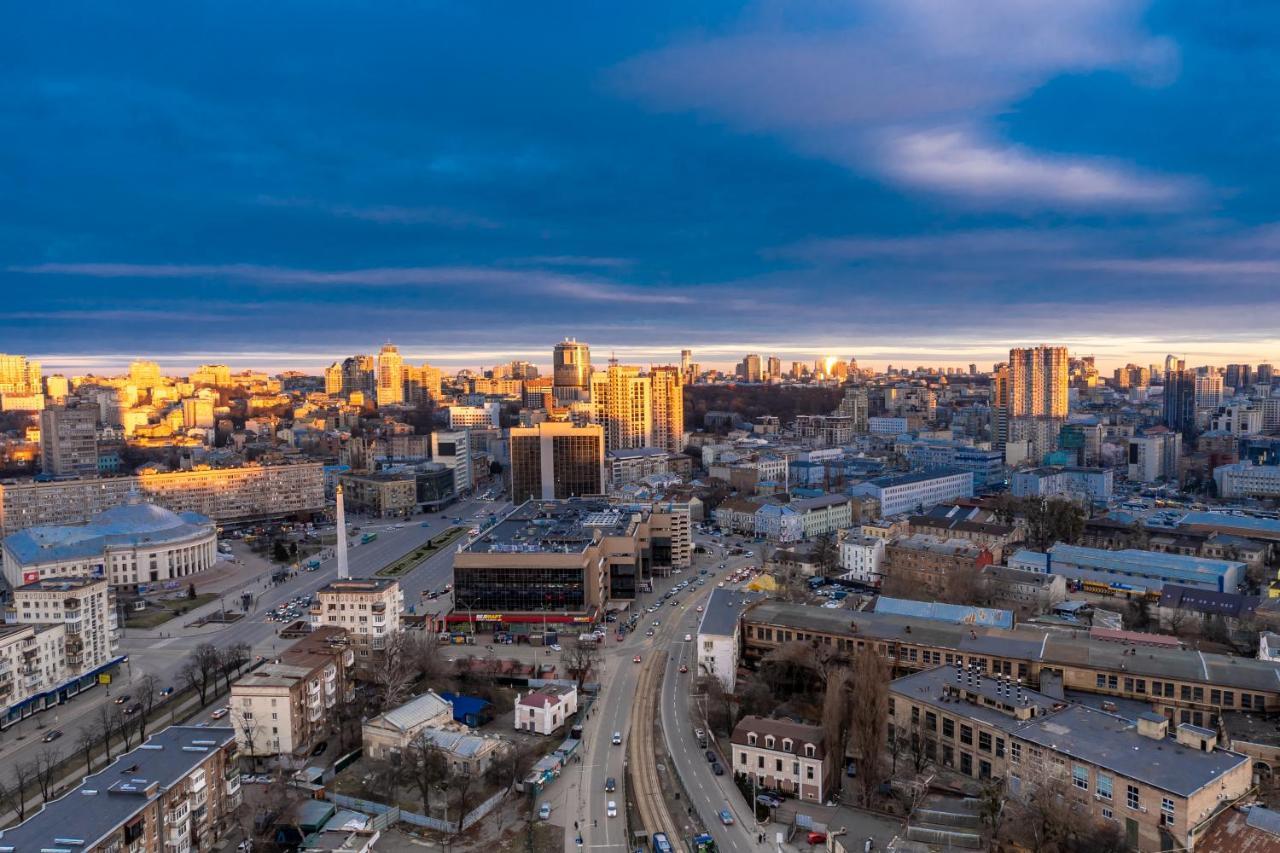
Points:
(175, 793)
(1160, 790)
(382, 495)
(32, 667)
(785, 756)
(622, 403)
(286, 706)
(85, 607)
(239, 494)
(368, 609)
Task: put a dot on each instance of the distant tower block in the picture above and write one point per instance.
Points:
(342, 538)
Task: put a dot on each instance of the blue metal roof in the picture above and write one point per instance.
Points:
(131, 524)
(954, 613)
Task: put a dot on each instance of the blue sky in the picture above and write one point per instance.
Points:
(906, 181)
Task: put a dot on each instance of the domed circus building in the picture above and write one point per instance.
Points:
(134, 546)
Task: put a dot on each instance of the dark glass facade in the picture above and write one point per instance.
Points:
(519, 590)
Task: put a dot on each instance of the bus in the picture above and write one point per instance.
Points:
(367, 538)
(661, 844)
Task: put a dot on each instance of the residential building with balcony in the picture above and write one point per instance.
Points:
(175, 793)
(368, 609)
(1160, 788)
(233, 494)
(85, 607)
(286, 706)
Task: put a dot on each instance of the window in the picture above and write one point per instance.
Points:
(1142, 685)
(1108, 814)
(777, 765)
(1166, 811)
(999, 747)
(787, 745)
(742, 759)
(1186, 693)
(948, 727)
(1102, 680)
(966, 735)
(1080, 776)
(966, 764)
(809, 750)
(1228, 698)
(760, 762)
(1128, 685)
(984, 741)
(809, 772)
(1104, 786)
(1132, 800)
(1198, 694)
(1215, 697)
(768, 741)
(1015, 752)
(931, 721)
(751, 738)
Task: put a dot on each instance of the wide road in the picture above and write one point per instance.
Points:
(582, 791)
(164, 657)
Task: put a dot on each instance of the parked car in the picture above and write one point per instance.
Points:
(726, 817)
(773, 801)
(320, 748)
(816, 837)
(544, 811)
(717, 769)
(711, 756)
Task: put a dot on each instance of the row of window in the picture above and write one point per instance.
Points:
(1186, 692)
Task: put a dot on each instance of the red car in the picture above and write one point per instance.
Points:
(636, 659)
(817, 838)
(684, 667)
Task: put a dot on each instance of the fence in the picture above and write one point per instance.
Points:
(385, 815)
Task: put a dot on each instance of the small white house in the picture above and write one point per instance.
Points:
(546, 709)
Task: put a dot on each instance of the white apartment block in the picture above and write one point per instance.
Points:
(1152, 457)
(861, 559)
(242, 493)
(368, 609)
(1246, 480)
(917, 491)
(488, 416)
(453, 450)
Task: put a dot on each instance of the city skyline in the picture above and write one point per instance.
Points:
(744, 179)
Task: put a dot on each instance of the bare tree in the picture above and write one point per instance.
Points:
(107, 723)
(242, 719)
(231, 659)
(579, 659)
(126, 724)
(208, 661)
(86, 740)
(868, 718)
(836, 713)
(426, 767)
(394, 670)
(147, 692)
(463, 787)
(991, 806)
(46, 766)
(1045, 815)
(965, 585)
(24, 773)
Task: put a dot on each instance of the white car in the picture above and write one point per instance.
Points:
(612, 809)
(688, 638)
(617, 738)
(555, 647)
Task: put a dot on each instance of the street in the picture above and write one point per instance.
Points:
(162, 656)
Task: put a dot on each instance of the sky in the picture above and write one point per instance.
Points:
(904, 181)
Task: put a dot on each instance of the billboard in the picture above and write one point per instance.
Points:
(30, 577)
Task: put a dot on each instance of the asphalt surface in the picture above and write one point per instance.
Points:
(164, 657)
(579, 796)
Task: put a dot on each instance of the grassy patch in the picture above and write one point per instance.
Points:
(422, 552)
(161, 612)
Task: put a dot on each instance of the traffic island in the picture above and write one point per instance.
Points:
(423, 552)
